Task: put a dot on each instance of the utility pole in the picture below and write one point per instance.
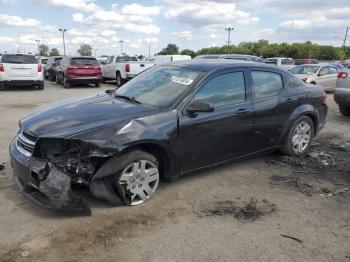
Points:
(346, 36)
(64, 44)
(38, 42)
(229, 29)
(121, 46)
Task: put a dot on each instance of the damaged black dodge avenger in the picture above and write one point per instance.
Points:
(166, 122)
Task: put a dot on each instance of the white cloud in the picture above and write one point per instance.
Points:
(78, 17)
(17, 21)
(208, 12)
(7, 40)
(108, 33)
(183, 34)
(81, 5)
(136, 9)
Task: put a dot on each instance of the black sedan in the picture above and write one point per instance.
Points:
(168, 121)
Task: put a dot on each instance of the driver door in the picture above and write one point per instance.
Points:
(210, 137)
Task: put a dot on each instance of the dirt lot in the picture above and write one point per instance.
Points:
(271, 208)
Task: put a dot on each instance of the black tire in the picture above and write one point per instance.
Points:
(98, 84)
(345, 111)
(58, 79)
(112, 193)
(40, 86)
(52, 77)
(66, 83)
(103, 80)
(287, 148)
(119, 80)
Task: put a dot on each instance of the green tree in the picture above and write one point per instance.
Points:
(171, 49)
(43, 50)
(188, 52)
(54, 52)
(85, 50)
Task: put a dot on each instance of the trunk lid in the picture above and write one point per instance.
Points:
(86, 67)
(19, 65)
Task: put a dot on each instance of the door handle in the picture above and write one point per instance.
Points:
(290, 99)
(242, 111)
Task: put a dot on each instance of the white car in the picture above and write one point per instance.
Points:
(123, 68)
(282, 62)
(164, 59)
(21, 70)
(322, 75)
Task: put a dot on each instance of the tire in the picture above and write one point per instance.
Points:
(302, 132)
(119, 80)
(126, 180)
(40, 86)
(52, 77)
(98, 84)
(103, 80)
(66, 83)
(345, 111)
(58, 79)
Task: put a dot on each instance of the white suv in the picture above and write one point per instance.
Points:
(20, 70)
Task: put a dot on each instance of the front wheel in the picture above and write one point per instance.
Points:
(66, 83)
(138, 179)
(345, 111)
(299, 137)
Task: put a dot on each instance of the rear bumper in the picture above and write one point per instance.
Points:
(84, 80)
(53, 192)
(20, 83)
(342, 97)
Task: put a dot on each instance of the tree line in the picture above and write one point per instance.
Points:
(44, 50)
(263, 48)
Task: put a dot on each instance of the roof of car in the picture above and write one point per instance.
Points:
(206, 65)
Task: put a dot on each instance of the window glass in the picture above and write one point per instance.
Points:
(223, 90)
(110, 60)
(84, 61)
(266, 84)
(19, 59)
(332, 70)
(323, 71)
(284, 61)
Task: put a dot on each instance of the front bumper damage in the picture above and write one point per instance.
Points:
(43, 184)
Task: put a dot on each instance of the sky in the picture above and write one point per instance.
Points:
(151, 25)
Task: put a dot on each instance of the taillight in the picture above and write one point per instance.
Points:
(2, 69)
(40, 68)
(127, 68)
(342, 75)
(324, 98)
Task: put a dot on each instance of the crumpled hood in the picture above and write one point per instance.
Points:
(73, 116)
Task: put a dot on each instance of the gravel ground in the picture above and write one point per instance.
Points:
(270, 208)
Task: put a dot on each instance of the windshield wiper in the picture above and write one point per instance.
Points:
(132, 99)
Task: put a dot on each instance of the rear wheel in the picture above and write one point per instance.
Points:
(40, 86)
(98, 84)
(345, 111)
(52, 77)
(58, 79)
(66, 83)
(299, 138)
(119, 80)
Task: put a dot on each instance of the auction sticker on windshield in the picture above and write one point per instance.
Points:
(181, 80)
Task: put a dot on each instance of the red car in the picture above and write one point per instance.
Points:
(305, 61)
(79, 70)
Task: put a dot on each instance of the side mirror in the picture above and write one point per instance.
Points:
(198, 106)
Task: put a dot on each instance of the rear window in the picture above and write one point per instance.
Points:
(271, 61)
(44, 61)
(84, 61)
(126, 58)
(58, 59)
(19, 59)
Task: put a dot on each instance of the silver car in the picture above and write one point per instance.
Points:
(342, 92)
(322, 75)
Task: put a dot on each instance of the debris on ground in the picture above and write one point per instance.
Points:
(109, 244)
(293, 238)
(343, 147)
(249, 211)
(2, 167)
(25, 253)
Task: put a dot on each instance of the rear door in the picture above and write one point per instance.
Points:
(326, 78)
(223, 134)
(18, 65)
(273, 105)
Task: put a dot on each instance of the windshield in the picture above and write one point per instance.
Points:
(160, 86)
(44, 61)
(304, 69)
(84, 61)
(19, 59)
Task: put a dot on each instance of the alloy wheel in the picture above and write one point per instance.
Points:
(139, 181)
(301, 137)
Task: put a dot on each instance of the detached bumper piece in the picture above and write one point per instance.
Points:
(45, 186)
